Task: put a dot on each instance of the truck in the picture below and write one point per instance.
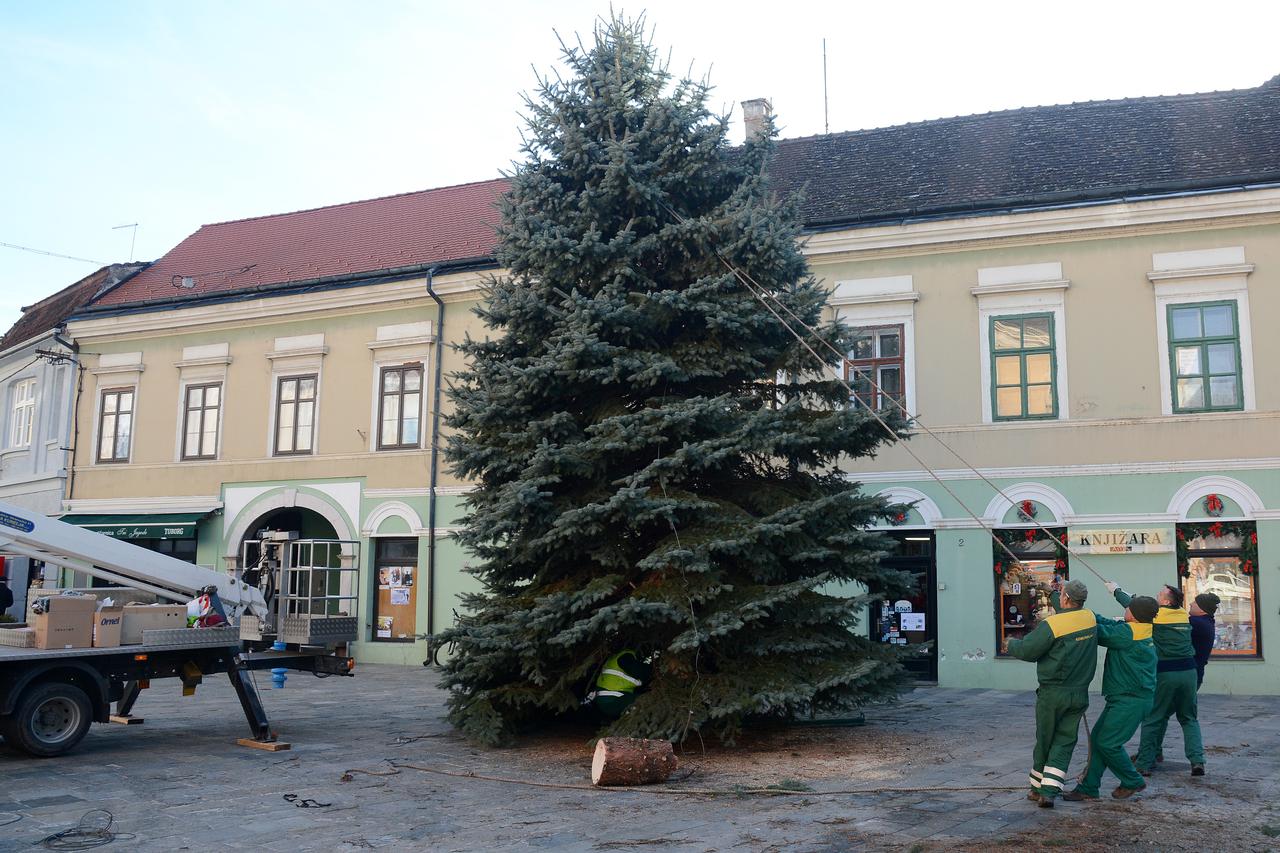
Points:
(289, 607)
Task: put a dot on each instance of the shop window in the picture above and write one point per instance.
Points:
(1027, 584)
(399, 407)
(295, 414)
(115, 425)
(1204, 351)
(200, 421)
(395, 605)
(875, 367)
(1023, 367)
(23, 416)
(1222, 557)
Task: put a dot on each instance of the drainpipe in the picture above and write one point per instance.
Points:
(435, 467)
(74, 425)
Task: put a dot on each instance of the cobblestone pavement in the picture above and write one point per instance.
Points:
(179, 782)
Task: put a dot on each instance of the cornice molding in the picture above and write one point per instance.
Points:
(1115, 217)
(172, 504)
(1202, 466)
(1201, 272)
(1018, 287)
(117, 368)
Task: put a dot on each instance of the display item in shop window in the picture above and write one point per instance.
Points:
(1015, 618)
(1064, 647)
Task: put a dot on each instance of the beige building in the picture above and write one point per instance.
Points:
(1073, 299)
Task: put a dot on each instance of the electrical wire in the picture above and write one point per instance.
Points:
(650, 789)
(52, 254)
(93, 830)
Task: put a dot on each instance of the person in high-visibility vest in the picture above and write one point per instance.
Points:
(1129, 686)
(1065, 649)
(1175, 682)
(618, 682)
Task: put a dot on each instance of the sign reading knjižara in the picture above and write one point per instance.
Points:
(1151, 540)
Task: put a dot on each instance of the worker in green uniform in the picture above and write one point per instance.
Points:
(1064, 646)
(620, 678)
(1129, 686)
(1175, 682)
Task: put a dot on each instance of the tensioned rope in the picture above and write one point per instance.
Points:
(763, 295)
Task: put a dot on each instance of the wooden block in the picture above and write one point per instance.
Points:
(267, 745)
(126, 720)
(632, 761)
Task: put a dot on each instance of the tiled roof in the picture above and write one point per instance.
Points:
(1018, 158)
(418, 228)
(1037, 156)
(49, 312)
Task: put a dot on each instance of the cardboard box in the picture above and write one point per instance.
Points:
(22, 638)
(150, 617)
(107, 625)
(67, 622)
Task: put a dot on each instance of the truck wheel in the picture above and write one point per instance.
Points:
(50, 719)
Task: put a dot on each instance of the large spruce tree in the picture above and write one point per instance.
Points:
(643, 480)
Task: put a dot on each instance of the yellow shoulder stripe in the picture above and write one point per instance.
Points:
(1141, 630)
(1072, 621)
(1172, 616)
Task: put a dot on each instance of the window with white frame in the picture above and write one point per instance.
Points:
(201, 409)
(1204, 344)
(399, 407)
(23, 416)
(115, 425)
(295, 414)
(874, 367)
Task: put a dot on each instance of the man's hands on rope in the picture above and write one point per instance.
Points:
(1111, 586)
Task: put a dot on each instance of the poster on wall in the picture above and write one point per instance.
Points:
(384, 626)
(912, 622)
(399, 595)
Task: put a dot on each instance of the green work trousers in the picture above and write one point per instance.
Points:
(1058, 712)
(1116, 724)
(1175, 694)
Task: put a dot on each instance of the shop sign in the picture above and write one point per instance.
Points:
(1149, 540)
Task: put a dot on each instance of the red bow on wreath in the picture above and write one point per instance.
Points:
(1030, 535)
(999, 568)
(1247, 567)
(1217, 529)
(1213, 505)
(1027, 510)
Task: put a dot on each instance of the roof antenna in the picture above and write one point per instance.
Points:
(826, 117)
(134, 238)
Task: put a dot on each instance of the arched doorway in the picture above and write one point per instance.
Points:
(307, 523)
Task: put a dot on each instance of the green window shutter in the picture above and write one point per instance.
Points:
(1024, 368)
(1204, 357)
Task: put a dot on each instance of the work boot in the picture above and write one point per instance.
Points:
(1033, 796)
(1123, 793)
(1077, 796)
(1046, 802)
(1197, 769)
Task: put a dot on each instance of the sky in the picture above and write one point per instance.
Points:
(173, 115)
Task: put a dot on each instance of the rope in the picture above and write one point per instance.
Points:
(93, 830)
(763, 295)
(712, 792)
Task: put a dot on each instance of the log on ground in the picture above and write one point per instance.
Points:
(632, 761)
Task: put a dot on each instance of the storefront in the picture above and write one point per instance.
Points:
(171, 534)
(1198, 531)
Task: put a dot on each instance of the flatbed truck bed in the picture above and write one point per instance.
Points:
(49, 697)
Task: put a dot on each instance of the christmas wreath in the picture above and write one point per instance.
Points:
(1245, 530)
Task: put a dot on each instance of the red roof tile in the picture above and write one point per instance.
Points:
(431, 226)
(49, 312)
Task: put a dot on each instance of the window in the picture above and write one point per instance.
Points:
(1023, 367)
(1222, 558)
(295, 414)
(874, 367)
(200, 421)
(1027, 584)
(399, 407)
(115, 425)
(395, 608)
(1204, 353)
(24, 413)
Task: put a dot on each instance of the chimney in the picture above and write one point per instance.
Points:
(754, 116)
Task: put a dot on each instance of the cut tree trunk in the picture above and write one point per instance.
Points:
(631, 761)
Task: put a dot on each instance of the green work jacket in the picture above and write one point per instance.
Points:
(1130, 669)
(1064, 647)
(1171, 632)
